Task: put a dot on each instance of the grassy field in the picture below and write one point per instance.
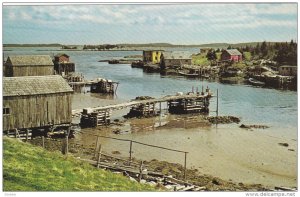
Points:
(30, 168)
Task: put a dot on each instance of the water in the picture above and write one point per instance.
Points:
(275, 108)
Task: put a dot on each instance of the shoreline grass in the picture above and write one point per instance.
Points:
(30, 168)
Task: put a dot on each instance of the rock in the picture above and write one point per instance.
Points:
(132, 179)
(143, 181)
(116, 152)
(291, 149)
(216, 182)
(284, 144)
(244, 126)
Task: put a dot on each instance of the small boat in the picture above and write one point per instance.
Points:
(255, 82)
(189, 74)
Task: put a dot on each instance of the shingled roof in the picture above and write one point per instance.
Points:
(233, 52)
(61, 54)
(30, 60)
(177, 55)
(34, 85)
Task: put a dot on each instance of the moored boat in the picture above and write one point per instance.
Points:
(255, 82)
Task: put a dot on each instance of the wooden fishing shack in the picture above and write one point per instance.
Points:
(62, 64)
(28, 65)
(36, 103)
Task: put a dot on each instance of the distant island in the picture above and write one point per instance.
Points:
(138, 46)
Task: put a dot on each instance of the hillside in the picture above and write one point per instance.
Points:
(35, 169)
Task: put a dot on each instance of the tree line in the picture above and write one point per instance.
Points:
(280, 52)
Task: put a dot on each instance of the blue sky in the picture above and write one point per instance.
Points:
(173, 23)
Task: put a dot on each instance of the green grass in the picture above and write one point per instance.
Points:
(200, 60)
(30, 168)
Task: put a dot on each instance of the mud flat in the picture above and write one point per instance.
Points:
(228, 152)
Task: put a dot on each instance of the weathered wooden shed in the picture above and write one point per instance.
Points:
(175, 59)
(28, 65)
(36, 102)
(62, 64)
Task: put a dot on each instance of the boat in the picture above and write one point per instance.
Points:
(188, 74)
(255, 82)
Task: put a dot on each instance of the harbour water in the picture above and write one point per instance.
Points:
(225, 151)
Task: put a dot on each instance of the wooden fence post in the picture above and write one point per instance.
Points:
(130, 152)
(27, 133)
(99, 156)
(185, 155)
(97, 141)
(141, 171)
(43, 141)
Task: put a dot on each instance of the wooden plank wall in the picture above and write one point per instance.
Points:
(37, 110)
(32, 70)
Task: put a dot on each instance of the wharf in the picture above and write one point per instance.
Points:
(144, 102)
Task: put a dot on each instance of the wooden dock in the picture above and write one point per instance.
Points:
(145, 107)
(140, 102)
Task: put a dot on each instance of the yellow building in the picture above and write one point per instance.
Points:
(152, 56)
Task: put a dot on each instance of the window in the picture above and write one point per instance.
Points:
(6, 111)
(156, 58)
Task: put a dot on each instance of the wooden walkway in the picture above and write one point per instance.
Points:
(139, 102)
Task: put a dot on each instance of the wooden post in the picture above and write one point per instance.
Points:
(160, 114)
(43, 141)
(185, 155)
(16, 131)
(27, 133)
(217, 111)
(141, 171)
(99, 156)
(97, 141)
(130, 152)
(67, 141)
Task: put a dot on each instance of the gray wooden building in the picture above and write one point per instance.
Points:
(36, 102)
(28, 65)
(175, 59)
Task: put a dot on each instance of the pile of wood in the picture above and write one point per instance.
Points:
(142, 110)
(185, 106)
(94, 119)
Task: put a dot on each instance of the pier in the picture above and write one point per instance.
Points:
(179, 104)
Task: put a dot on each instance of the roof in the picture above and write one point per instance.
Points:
(34, 85)
(233, 52)
(30, 60)
(61, 54)
(176, 55)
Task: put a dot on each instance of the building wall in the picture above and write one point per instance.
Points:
(176, 62)
(152, 56)
(64, 67)
(37, 110)
(226, 56)
(155, 57)
(288, 71)
(18, 71)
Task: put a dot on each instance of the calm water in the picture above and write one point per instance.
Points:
(271, 107)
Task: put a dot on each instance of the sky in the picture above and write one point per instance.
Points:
(195, 23)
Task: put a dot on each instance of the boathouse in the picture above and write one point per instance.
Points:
(231, 55)
(287, 70)
(175, 59)
(28, 65)
(152, 56)
(62, 64)
(36, 102)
